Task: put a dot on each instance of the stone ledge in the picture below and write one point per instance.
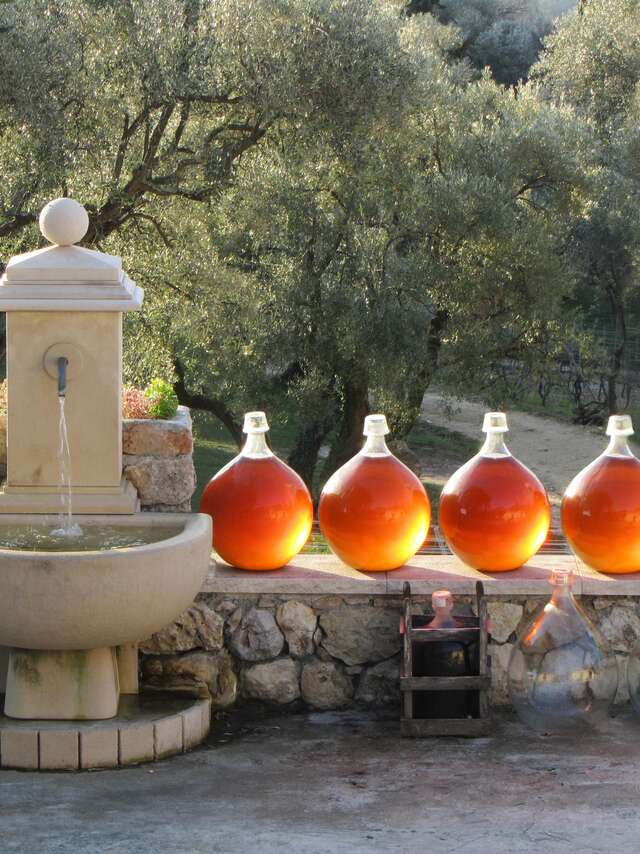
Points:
(325, 574)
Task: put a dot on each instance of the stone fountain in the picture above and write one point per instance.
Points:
(72, 613)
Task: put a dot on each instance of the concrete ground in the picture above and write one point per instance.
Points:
(341, 782)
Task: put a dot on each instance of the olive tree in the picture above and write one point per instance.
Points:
(323, 206)
(592, 62)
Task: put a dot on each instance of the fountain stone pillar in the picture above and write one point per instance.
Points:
(65, 300)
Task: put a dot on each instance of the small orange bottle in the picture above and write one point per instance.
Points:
(601, 506)
(494, 512)
(261, 509)
(373, 511)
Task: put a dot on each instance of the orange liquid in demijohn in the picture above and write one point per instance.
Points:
(494, 513)
(601, 514)
(374, 513)
(261, 511)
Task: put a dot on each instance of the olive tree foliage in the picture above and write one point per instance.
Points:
(352, 276)
(593, 63)
(144, 109)
(323, 207)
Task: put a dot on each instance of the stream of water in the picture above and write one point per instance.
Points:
(67, 528)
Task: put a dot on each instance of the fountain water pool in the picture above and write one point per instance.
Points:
(25, 536)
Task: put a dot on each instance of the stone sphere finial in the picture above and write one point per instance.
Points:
(64, 221)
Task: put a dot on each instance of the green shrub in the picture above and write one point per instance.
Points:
(164, 403)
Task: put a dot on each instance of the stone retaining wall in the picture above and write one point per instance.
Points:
(330, 652)
(157, 457)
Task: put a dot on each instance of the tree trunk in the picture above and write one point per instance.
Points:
(213, 405)
(619, 352)
(304, 455)
(355, 407)
(403, 425)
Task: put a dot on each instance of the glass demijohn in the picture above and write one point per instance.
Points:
(601, 507)
(374, 511)
(261, 509)
(494, 512)
(562, 675)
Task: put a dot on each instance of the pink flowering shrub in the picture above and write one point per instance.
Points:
(134, 403)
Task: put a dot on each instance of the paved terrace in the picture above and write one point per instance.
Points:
(323, 783)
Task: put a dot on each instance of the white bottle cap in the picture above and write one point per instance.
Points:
(620, 425)
(495, 422)
(255, 422)
(441, 599)
(375, 425)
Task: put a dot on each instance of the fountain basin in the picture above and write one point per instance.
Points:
(82, 600)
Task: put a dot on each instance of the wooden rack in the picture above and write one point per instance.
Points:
(413, 628)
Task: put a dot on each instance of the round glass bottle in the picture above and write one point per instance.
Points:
(261, 509)
(562, 674)
(373, 511)
(601, 506)
(494, 512)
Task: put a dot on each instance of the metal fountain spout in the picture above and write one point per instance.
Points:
(63, 362)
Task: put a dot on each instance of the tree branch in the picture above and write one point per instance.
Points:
(213, 405)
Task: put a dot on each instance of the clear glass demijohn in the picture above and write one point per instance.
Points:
(562, 675)
(633, 678)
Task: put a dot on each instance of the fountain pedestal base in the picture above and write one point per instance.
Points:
(118, 500)
(145, 729)
(62, 684)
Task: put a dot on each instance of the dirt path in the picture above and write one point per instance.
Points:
(554, 450)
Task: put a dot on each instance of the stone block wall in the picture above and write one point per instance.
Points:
(157, 457)
(331, 652)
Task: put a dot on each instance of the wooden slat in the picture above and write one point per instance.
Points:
(483, 698)
(468, 727)
(407, 656)
(422, 621)
(444, 683)
(432, 635)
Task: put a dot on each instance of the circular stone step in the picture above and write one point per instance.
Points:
(146, 728)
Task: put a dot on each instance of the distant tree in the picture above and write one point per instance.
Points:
(593, 63)
(505, 35)
(346, 276)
